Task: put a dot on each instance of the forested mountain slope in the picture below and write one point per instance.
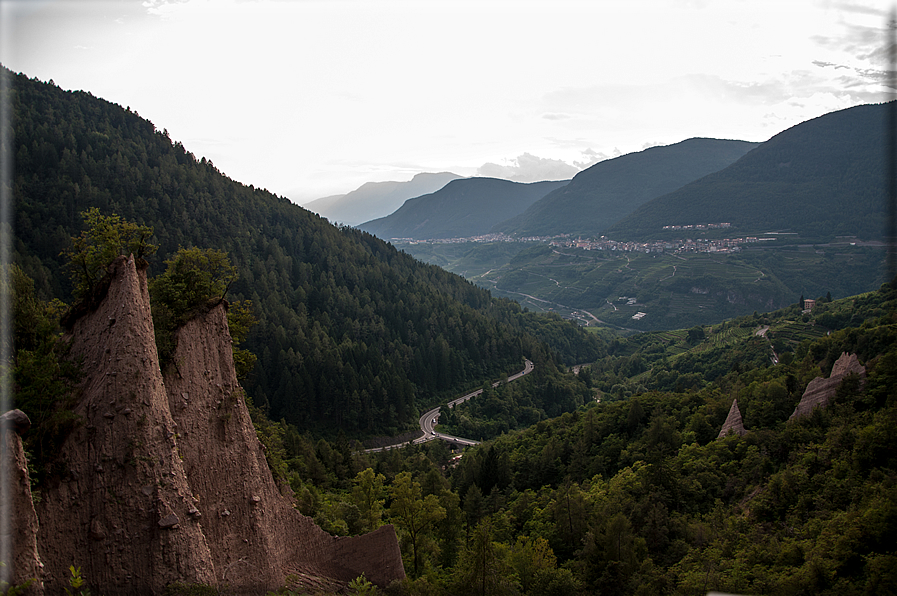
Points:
(638, 493)
(663, 507)
(601, 195)
(463, 208)
(797, 505)
(820, 179)
(352, 334)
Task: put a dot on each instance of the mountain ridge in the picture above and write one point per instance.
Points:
(372, 200)
(463, 208)
(602, 194)
(820, 179)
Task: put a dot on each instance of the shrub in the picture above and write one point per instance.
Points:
(193, 279)
(106, 237)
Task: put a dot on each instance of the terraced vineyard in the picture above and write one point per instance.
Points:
(794, 332)
(672, 336)
(467, 259)
(642, 292)
(727, 336)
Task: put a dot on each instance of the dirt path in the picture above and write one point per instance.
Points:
(669, 276)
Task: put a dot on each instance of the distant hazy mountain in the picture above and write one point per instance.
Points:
(603, 194)
(324, 204)
(463, 208)
(376, 199)
(820, 179)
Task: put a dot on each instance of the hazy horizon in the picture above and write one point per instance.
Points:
(313, 99)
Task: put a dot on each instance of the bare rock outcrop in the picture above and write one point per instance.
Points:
(166, 482)
(820, 391)
(733, 423)
(121, 511)
(254, 533)
(23, 527)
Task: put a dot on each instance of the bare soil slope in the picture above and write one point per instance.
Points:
(166, 482)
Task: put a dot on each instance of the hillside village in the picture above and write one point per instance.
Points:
(724, 245)
(692, 245)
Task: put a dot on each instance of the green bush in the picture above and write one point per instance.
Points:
(106, 238)
(43, 376)
(194, 279)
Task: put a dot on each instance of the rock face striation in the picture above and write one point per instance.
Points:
(22, 531)
(733, 423)
(255, 534)
(166, 482)
(120, 510)
(820, 391)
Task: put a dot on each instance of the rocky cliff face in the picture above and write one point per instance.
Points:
(820, 391)
(254, 533)
(21, 533)
(166, 481)
(733, 423)
(121, 511)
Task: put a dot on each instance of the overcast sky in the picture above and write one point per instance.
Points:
(309, 98)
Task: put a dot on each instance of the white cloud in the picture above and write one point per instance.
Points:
(529, 168)
(591, 157)
(556, 116)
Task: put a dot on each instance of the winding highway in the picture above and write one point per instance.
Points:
(429, 419)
